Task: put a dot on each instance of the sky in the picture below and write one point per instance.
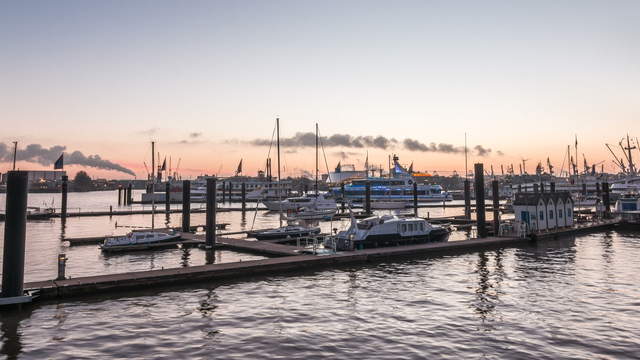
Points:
(206, 80)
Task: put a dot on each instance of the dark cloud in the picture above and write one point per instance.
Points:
(415, 145)
(500, 153)
(35, 153)
(194, 135)
(482, 151)
(308, 139)
(345, 154)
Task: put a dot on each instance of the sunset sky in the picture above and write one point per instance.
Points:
(206, 80)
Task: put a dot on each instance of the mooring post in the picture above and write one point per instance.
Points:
(224, 191)
(552, 187)
(606, 200)
(367, 198)
(110, 210)
(541, 187)
(167, 198)
(479, 188)
(62, 264)
(519, 188)
(130, 194)
(229, 192)
(65, 189)
(15, 226)
(535, 188)
(243, 196)
(467, 199)
(186, 205)
(211, 213)
(584, 189)
(495, 195)
(342, 198)
(119, 195)
(598, 192)
(415, 199)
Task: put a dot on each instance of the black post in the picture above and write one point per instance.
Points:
(415, 199)
(15, 226)
(65, 189)
(552, 187)
(542, 187)
(598, 192)
(367, 198)
(211, 213)
(119, 195)
(495, 194)
(584, 189)
(186, 205)
(244, 196)
(129, 194)
(535, 188)
(167, 198)
(342, 197)
(229, 192)
(479, 187)
(606, 200)
(467, 199)
(224, 191)
(62, 264)
(519, 188)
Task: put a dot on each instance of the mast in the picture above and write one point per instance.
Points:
(15, 152)
(466, 171)
(632, 168)
(316, 160)
(153, 185)
(279, 181)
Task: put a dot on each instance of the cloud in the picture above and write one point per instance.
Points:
(415, 145)
(308, 139)
(345, 154)
(482, 151)
(195, 135)
(36, 153)
(499, 153)
(149, 132)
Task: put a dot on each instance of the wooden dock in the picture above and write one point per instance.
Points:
(288, 261)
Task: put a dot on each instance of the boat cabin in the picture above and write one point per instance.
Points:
(543, 211)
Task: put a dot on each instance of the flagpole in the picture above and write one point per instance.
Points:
(15, 152)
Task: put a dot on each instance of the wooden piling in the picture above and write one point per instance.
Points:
(367, 198)
(15, 227)
(119, 195)
(342, 208)
(65, 190)
(167, 198)
(480, 208)
(130, 194)
(211, 213)
(495, 194)
(186, 205)
(415, 199)
(606, 199)
(243, 196)
(467, 199)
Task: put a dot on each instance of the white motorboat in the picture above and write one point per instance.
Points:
(310, 201)
(38, 213)
(628, 208)
(386, 230)
(135, 239)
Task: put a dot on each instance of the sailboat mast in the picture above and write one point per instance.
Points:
(279, 189)
(316, 160)
(631, 167)
(466, 171)
(153, 185)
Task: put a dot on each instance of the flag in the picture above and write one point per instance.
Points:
(411, 168)
(339, 167)
(366, 162)
(59, 164)
(239, 170)
(164, 165)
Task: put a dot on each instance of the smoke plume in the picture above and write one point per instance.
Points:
(36, 153)
(308, 139)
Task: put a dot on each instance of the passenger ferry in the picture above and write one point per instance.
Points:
(398, 187)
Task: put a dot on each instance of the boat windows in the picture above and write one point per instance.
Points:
(404, 228)
(365, 225)
(139, 237)
(421, 226)
(550, 214)
(541, 215)
(560, 214)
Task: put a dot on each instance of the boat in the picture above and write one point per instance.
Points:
(585, 200)
(289, 230)
(386, 230)
(38, 213)
(284, 232)
(319, 201)
(311, 213)
(398, 187)
(628, 208)
(138, 240)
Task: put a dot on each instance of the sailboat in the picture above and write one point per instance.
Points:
(138, 240)
(290, 230)
(310, 206)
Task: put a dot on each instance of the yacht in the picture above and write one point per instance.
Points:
(38, 213)
(398, 187)
(386, 230)
(319, 201)
(135, 239)
(628, 208)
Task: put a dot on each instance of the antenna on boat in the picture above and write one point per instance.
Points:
(15, 152)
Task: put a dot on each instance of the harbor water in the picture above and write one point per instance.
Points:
(569, 298)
